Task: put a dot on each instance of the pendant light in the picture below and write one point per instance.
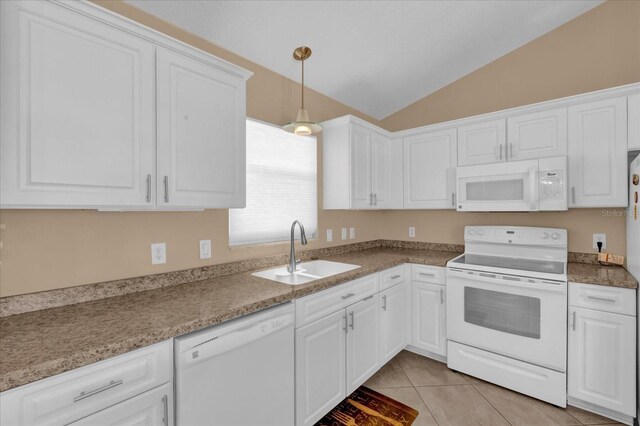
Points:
(302, 126)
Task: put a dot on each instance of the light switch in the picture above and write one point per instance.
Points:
(412, 232)
(205, 249)
(329, 235)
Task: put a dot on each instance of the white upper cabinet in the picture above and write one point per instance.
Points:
(85, 123)
(482, 143)
(77, 110)
(201, 133)
(429, 170)
(537, 135)
(355, 165)
(598, 154)
(633, 105)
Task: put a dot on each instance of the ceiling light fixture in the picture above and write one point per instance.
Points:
(302, 126)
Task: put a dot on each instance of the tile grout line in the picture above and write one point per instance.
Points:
(419, 396)
(485, 398)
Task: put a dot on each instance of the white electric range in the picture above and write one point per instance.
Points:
(507, 309)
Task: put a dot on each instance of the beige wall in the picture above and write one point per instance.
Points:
(50, 249)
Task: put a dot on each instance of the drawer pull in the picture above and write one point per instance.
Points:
(368, 298)
(601, 299)
(393, 277)
(425, 274)
(346, 296)
(165, 410)
(83, 394)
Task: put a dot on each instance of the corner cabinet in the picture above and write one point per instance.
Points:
(84, 119)
(355, 163)
(598, 154)
(429, 170)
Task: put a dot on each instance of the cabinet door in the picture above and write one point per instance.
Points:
(363, 338)
(320, 367)
(428, 311)
(395, 172)
(152, 408)
(482, 143)
(394, 320)
(77, 110)
(379, 160)
(201, 134)
(537, 135)
(429, 164)
(361, 191)
(598, 154)
(633, 105)
(602, 361)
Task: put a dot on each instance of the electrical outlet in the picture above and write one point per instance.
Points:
(329, 235)
(158, 253)
(205, 249)
(599, 238)
(344, 234)
(412, 231)
(352, 233)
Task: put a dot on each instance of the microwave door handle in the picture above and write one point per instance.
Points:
(533, 185)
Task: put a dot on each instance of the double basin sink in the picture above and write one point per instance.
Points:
(306, 272)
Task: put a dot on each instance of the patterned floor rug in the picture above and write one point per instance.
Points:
(366, 407)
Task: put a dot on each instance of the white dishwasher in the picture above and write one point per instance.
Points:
(238, 373)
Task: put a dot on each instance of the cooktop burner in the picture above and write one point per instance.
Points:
(545, 266)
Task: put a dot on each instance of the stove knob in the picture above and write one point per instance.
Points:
(545, 235)
(555, 236)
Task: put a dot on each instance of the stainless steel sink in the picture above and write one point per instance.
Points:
(306, 272)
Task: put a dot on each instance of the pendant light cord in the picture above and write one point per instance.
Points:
(303, 83)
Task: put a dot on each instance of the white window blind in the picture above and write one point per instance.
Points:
(281, 186)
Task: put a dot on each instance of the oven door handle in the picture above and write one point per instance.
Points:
(488, 277)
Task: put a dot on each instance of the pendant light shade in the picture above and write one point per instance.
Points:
(302, 126)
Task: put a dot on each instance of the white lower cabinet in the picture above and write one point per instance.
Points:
(395, 310)
(152, 408)
(87, 391)
(602, 350)
(429, 316)
(320, 367)
(362, 341)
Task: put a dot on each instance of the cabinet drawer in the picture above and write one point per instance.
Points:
(603, 298)
(391, 277)
(317, 305)
(428, 274)
(70, 396)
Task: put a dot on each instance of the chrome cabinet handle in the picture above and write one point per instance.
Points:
(148, 188)
(602, 299)
(573, 194)
(165, 403)
(344, 317)
(573, 321)
(501, 151)
(346, 296)
(441, 296)
(352, 320)
(393, 277)
(426, 274)
(375, 199)
(166, 189)
(83, 394)
(453, 198)
(384, 303)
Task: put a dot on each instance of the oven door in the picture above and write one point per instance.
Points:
(510, 315)
(510, 186)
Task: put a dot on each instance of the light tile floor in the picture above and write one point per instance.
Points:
(444, 397)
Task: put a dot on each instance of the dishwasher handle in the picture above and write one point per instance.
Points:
(226, 342)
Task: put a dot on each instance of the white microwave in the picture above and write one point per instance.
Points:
(516, 186)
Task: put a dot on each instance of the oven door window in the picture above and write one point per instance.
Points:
(506, 312)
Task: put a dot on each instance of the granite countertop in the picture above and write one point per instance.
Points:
(39, 344)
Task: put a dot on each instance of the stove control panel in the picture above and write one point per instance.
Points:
(520, 235)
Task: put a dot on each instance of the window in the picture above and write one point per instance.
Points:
(281, 186)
